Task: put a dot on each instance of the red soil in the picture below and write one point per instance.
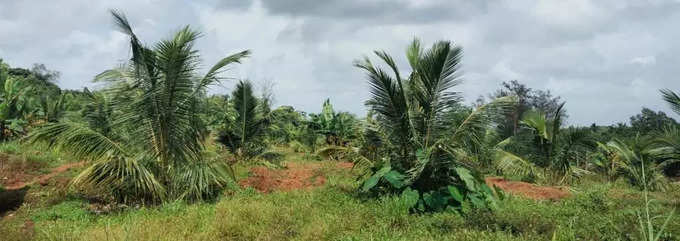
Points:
(16, 173)
(528, 190)
(294, 176)
(18, 179)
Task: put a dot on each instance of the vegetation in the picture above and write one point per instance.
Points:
(429, 151)
(151, 155)
(145, 141)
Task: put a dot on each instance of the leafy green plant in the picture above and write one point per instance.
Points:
(556, 149)
(151, 144)
(646, 225)
(15, 108)
(244, 136)
(337, 128)
(428, 152)
(635, 162)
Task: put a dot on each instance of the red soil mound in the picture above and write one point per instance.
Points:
(527, 189)
(20, 180)
(294, 176)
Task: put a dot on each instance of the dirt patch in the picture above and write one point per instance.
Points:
(528, 190)
(15, 182)
(293, 176)
(15, 173)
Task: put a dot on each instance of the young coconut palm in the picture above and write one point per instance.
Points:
(556, 148)
(635, 162)
(668, 151)
(154, 149)
(428, 152)
(244, 137)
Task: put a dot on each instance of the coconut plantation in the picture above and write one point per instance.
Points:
(357, 120)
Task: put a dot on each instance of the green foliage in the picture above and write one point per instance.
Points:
(15, 108)
(635, 162)
(672, 99)
(337, 128)
(427, 151)
(509, 124)
(546, 147)
(649, 121)
(286, 125)
(143, 137)
(244, 136)
(647, 229)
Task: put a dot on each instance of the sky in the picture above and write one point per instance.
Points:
(606, 58)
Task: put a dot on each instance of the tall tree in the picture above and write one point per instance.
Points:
(649, 121)
(527, 99)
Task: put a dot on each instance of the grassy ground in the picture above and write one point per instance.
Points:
(596, 211)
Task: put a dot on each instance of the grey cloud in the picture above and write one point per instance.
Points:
(378, 11)
(595, 54)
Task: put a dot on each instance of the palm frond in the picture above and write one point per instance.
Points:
(672, 99)
(414, 53)
(212, 75)
(473, 129)
(389, 102)
(202, 180)
(78, 139)
(512, 164)
(557, 123)
(126, 177)
(349, 153)
(538, 122)
(436, 72)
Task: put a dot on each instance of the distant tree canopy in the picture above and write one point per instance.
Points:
(38, 76)
(527, 99)
(648, 121)
(28, 97)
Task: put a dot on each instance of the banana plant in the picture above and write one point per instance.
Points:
(337, 128)
(16, 108)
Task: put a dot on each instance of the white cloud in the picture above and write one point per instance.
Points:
(644, 60)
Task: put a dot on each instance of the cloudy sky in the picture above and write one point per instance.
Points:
(606, 58)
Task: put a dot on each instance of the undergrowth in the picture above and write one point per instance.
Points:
(595, 211)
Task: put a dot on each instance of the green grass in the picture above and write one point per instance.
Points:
(330, 213)
(596, 211)
(38, 153)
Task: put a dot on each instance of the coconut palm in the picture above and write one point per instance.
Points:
(557, 149)
(155, 149)
(635, 162)
(427, 151)
(244, 136)
(668, 143)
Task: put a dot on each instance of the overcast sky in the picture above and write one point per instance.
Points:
(606, 58)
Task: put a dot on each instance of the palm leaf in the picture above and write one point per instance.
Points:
(672, 99)
(512, 164)
(126, 177)
(212, 76)
(80, 140)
